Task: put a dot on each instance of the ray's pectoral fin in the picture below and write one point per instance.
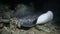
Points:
(45, 18)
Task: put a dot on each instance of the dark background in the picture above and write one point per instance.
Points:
(42, 5)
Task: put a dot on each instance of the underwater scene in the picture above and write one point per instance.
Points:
(29, 17)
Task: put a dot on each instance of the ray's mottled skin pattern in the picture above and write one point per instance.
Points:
(28, 21)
